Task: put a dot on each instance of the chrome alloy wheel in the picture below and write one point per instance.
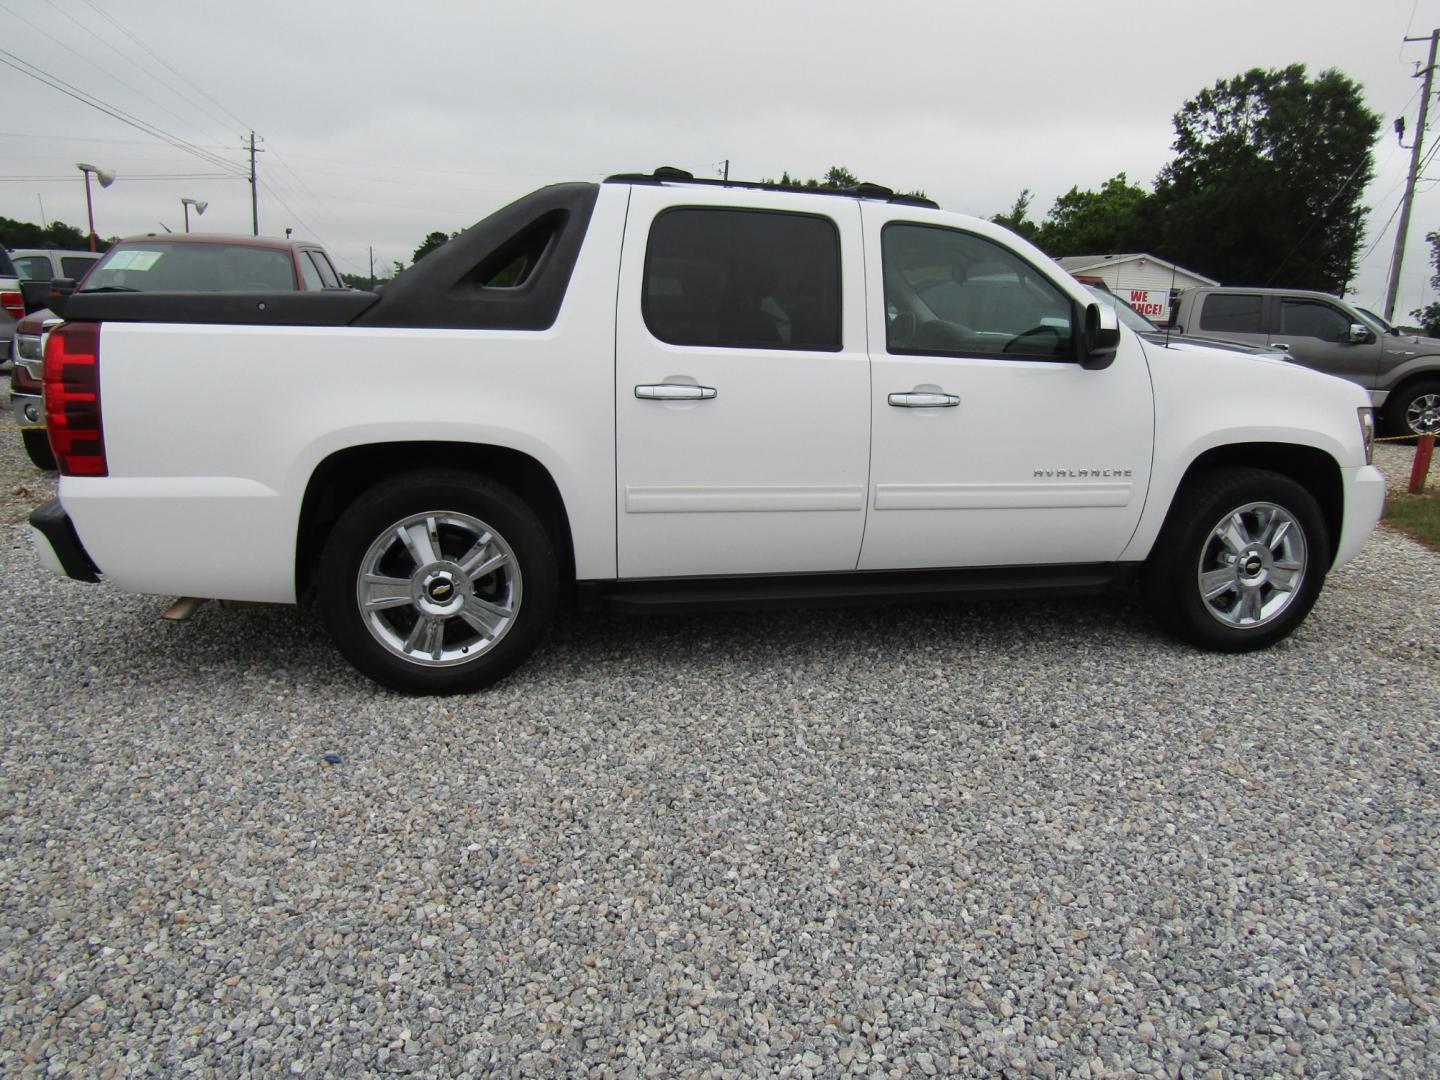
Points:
(438, 588)
(1422, 416)
(1252, 564)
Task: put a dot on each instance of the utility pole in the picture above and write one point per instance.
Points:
(1399, 255)
(254, 193)
(727, 170)
(372, 266)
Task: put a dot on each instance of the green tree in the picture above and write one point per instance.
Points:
(26, 234)
(1114, 219)
(430, 243)
(1267, 178)
(1016, 220)
(837, 177)
(1429, 315)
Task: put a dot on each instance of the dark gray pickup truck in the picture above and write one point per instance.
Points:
(1401, 372)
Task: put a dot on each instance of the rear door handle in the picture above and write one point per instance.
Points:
(674, 392)
(915, 399)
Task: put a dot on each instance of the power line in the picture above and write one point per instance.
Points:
(48, 35)
(161, 60)
(9, 59)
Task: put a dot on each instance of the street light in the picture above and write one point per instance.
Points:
(199, 209)
(106, 178)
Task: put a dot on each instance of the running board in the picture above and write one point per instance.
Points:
(858, 587)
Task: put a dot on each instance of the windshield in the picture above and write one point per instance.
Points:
(1128, 315)
(160, 266)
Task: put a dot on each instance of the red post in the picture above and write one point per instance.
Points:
(1424, 451)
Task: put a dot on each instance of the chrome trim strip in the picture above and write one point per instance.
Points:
(742, 498)
(999, 496)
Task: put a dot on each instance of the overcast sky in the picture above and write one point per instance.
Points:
(383, 122)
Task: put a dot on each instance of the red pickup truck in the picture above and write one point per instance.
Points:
(189, 262)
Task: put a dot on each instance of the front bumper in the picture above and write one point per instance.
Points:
(28, 409)
(1364, 500)
(58, 545)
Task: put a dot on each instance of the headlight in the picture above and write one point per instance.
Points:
(27, 347)
(1367, 432)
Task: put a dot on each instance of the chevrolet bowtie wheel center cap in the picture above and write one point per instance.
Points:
(440, 590)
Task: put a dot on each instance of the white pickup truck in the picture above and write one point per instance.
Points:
(659, 390)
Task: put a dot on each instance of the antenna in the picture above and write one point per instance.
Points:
(1170, 322)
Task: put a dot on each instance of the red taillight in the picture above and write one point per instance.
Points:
(14, 303)
(72, 399)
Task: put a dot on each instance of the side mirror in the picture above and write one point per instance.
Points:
(1360, 334)
(1100, 339)
(36, 294)
(60, 290)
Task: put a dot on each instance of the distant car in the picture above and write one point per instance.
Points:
(187, 262)
(12, 304)
(1160, 336)
(212, 262)
(45, 264)
(1401, 372)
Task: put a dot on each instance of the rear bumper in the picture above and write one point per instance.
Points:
(58, 545)
(1364, 499)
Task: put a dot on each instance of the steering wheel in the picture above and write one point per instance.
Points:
(1032, 332)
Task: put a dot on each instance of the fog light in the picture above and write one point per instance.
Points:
(32, 414)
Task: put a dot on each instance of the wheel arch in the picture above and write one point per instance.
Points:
(1310, 467)
(338, 479)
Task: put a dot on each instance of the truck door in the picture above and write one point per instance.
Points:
(992, 446)
(741, 384)
(1317, 334)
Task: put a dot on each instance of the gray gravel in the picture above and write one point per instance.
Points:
(1018, 839)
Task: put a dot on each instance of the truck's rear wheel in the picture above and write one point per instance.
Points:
(1240, 561)
(437, 582)
(37, 448)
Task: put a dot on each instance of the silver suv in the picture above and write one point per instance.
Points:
(1400, 371)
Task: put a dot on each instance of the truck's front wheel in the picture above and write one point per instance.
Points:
(1240, 561)
(437, 582)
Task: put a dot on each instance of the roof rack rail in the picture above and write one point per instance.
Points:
(668, 174)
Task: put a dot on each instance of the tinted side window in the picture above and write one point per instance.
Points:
(34, 267)
(309, 275)
(1311, 318)
(76, 266)
(744, 279)
(951, 293)
(323, 267)
(1233, 313)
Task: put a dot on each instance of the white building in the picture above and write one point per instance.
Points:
(1144, 282)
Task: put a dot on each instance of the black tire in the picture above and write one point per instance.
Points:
(1415, 410)
(422, 637)
(1240, 618)
(37, 448)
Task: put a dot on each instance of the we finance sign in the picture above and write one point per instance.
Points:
(1152, 303)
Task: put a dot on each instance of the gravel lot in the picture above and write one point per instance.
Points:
(1021, 839)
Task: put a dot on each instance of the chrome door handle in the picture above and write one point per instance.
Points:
(674, 392)
(1282, 345)
(915, 399)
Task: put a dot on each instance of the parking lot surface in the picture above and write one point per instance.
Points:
(1019, 838)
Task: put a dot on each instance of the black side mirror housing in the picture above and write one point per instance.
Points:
(36, 295)
(60, 290)
(1100, 337)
